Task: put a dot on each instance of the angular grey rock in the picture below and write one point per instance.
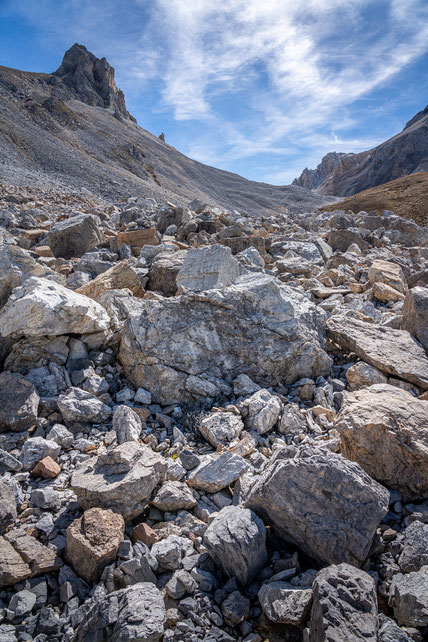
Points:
(7, 507)
(284, 603)
(235, 608)
(35, 449)
(61, 435)
(9, 463)
(363, 375)
(243, 386)
(74, 236)
(263, 411)
(170, 551)
(410, 598)
(163, 272)
(77, 405)
(127, 424)
(235, 540)
(217, 471)
(44, 308)
(181, 584)
(173, 496)
(321, 502)
(46, 498)
(383, 428)
(344, 607)
(19, 403)
(221, 428)
(415, 314)
(390, 632)
(292, 420)
(122, 479)
(208, 268)
(394, 352)
(414, 554)
(17, 265)
(135, 613)
(21, 604)
(257, 326)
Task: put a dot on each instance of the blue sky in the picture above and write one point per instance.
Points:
(262, 88)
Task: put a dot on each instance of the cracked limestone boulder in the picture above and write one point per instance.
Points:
(122, 479)
(321, 502)
(44, 308)
(393, 352)
(415, 314)
(221, 427)
(257, 326)
(208, 268)
(384, 429)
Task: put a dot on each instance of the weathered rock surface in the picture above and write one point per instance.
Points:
(7, 507)
(321, 502)
(163, 272)
(384, 429)
(19, 403)
(122, 479)
(174, 495)
(263, 411)
(415, 551)
(283, 603)
(208, 268)
(415, 314)
(410, 598)
(221, 428)
(135, 613)
(363, 375)
(235, 539)
(217, 471)
(127, 424)
(394, 352)
(12, 567)
(93, 541)
(44, 308)
(344, 607)
(256, 326)
(120, 275)
(17, 265)
(78, 405)
(388, 273)
(74, 236)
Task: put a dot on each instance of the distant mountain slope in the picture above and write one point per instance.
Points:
(401, 155)
(71, 130)
(313, 178)
(407, 196)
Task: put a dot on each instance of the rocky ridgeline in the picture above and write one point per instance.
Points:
(212, 428)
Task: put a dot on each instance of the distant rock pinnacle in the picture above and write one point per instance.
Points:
(92, 80)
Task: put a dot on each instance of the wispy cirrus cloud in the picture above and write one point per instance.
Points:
(245, 80)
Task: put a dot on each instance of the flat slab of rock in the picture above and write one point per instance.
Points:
(136, 613)
(120, 275)
(257, 326)
(321, 502)
(44, 308)
(19, 403)
(217, 471)
(174, 495)
(384, 429)
(122, 479)
(344, 606)
(93, 541)
(13, 569)
(40, 558)
(207, 268)
(235, 540)
(394, 352)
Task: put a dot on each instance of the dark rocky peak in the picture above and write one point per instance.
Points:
(417, 117)
(91, 80)
(313, 178)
